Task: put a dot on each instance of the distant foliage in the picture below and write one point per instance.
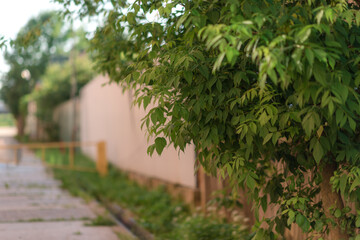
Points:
(6, 120)
(255, 85)
(42, 36)
(55, 88)
(44, 40)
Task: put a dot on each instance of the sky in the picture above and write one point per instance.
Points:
(14, 14)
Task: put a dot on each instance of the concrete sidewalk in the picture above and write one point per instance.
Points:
(33, 207)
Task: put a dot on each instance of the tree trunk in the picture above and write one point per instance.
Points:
(20, 125)
(329, 199)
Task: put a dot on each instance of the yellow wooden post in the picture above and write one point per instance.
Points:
(71, 157)
(16, 155)
(43, 155)
(101, 161)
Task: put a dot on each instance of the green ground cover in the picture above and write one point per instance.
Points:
(6, 119)
(155, 210)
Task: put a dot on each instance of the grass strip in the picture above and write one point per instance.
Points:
(155, 210)
(6, 120)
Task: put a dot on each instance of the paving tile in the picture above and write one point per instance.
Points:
(33, 207)
(74, 230)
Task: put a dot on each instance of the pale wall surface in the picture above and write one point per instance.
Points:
(108, 114)
(31, 120)
(64, 116)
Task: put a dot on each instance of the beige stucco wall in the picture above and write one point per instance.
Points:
(106, 113)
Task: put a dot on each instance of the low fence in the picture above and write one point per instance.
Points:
(101, 159)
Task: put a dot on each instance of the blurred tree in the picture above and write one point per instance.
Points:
(37, 40)
(55, 88)
(42, 40)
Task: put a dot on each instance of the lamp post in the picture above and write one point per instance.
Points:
(25, 74)
(73, 93)
(73, 84)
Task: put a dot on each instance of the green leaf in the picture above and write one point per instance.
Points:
(352, 123)
(267, 138)
(272, 74)
(146, 101)
(160, 144)
(355, 184)
(229, 169)
(343, 183)
(218, 62)
(309, 56)
(231, 54)
(239, 76)
(318, 152)
(339, 115)
(210, 116)
(131, 17)
(343, 90)
(302, 221)
(319, 73)
(291, 217)
(303, 34)
(264, 118)
(264, 203)
(331, 107)
(357, 223)
(357, 78)
(357, 18)
(204, 71)
(160, 115)
(150, 149)
(337, 213)
(235, 120)
(320, 131)
(260, 234)
(319, 16)
(253, 127)
(319, 226)
(181, 20)
(188, 76)
(154, 117)
(284, 120)
(275, 138)
(308, 124)
(250, 182)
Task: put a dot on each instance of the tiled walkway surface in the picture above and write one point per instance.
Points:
(33, 207)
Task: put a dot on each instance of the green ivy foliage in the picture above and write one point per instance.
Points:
(254, 84)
